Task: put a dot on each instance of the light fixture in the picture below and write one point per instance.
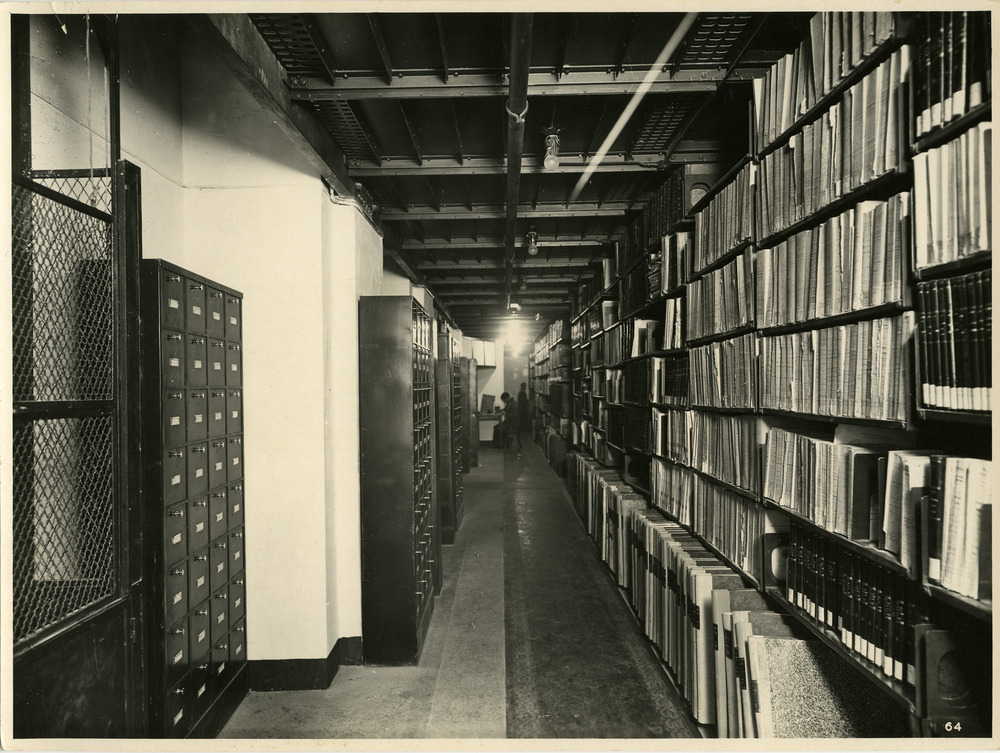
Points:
(551, 161)
(523, 286)
(515, 307)
(532, 239)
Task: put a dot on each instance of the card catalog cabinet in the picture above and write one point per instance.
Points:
(449, 434)
(192, 458)
(400, 543)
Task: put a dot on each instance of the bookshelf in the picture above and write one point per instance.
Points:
(829, 292)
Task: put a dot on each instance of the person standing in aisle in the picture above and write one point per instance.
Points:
(523, 409)
(510, 423)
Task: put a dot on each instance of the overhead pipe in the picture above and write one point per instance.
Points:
(517, 108)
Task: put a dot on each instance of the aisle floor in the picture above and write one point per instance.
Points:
(529, 638)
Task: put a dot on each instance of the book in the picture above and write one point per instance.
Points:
(724, 600)
(804, 690)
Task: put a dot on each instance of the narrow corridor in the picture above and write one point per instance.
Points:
(529, 638)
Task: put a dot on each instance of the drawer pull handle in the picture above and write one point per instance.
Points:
(177, 631)
(240, 629)
(219, 495)
(178, 571)
(203, 667)
(173, 337)
(235, 393)
(239, 582)
(201, 558)
(222, 596)
(234, 347)
(175, 454)
(220, 545)
(218, 394)
(238, 535)
(174, 396)
(200, 503)
(175, 514)
(217, 343)
(223, 646)
(202, 448)
(197, 286)
(172, 278)
(238, 488)
(202, 613)
(179, 691)
(216, 294)
(197, 340)
(198, 395)
(236, 440)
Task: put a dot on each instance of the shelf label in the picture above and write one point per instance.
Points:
(175, 480)
(236, 508)
(236, 461)
(233, 367)
(218, 568)
(173, 303)
(220, 618)
(175, 420)
(238, 601)
(196, 310)
(175, 363)
(201, 636)
(218, 466)
(218, 517)
(236, 414)
(239, 649)
(232, 320)
(236, 555)
(217, 365)
(218, 415)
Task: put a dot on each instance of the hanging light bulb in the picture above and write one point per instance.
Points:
(532, 239)
(551, 161)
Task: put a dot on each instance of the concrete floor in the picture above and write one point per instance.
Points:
(529, 638)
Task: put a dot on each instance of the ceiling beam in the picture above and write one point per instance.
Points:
(495, 212)
(319, 42)
(444, 48)
(568, 163)
(413, 134)
(383, 50)
(460, 279)
(458, 133)
(543, 240)
(540, 83)
(245, 53)
(626, 40)
(452, 265)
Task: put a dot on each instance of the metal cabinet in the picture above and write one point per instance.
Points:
(192, 459)
(400, 544)
(448, 389)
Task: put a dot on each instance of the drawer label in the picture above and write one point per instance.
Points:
(175, 420)
(218, 517)
(173, 303)
(201, 581)
(196, 310)
(177, 597)
(217, 316)
(233, 367)
(220, 669)
(236, 461)
(198, 418)
(175, 480)
(198, 364)
(232, 320)
(178, 656)
(175, 363)
(201, 691)
(218, 568)
(239, 600)
(219, 619)
(199, 473)
(176, 539)
(217, 365)
(177, 719)
(201, 636)
(239, 649)
(236, 414)
(236, 555)
(218, 415)
(236, 508)
(218, 466)
(199, 528)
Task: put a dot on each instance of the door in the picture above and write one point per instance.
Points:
(76, 545)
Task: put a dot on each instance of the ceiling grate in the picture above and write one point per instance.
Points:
(660, 122)
(714, 39)
(287, 36)
(339, 119)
